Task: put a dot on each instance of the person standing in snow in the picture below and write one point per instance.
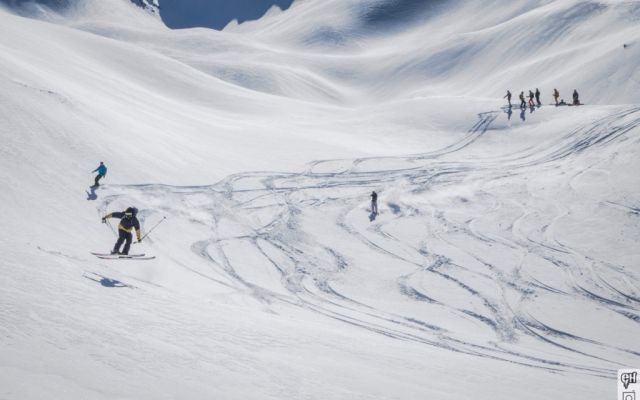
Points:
(374, 203)
(556, 94)
(538, 97)
(102, 171)
(522, 102)
(576, 99)
(508, 97)
(128, 222)
(531, 96)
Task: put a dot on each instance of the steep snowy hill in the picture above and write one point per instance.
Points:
(503, 263)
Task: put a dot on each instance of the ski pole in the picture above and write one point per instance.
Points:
(106, 221)
(151, 230)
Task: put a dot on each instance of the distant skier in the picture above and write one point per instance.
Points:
(556, 94)
(523, 104)
(508, 97)
(374, 203)
(531, 97)
(102, 171)
(576, 99)
(538, 97)
(128, 222)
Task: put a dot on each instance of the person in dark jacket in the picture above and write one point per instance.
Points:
(128, 222)
(556, 94)
(576, 98)
(102, 171)
(374, 203)
(531, 97)
(522, 102)
(538, 97)
(508, 97)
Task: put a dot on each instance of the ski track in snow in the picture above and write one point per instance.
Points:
(474, 251)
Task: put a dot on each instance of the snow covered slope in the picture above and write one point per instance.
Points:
(504, 262)
(461, 49)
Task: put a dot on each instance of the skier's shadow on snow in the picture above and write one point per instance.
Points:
(91, 193)
(509, 113)
(107, 282)
(372, 216)
(523, 111)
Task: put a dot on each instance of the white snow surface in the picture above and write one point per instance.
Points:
(503, 263)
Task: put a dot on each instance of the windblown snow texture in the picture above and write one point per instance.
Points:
(400, 13)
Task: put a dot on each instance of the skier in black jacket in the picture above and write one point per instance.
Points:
(374, 203)
(128, 222)
(508, 97)
(522, 103)
(576, 98)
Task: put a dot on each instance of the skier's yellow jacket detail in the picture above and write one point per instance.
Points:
(128, 220)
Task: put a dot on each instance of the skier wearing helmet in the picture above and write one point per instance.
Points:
(128, 222)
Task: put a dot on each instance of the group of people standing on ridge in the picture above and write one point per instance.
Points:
(534, 98)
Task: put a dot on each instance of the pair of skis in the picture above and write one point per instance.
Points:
(109, 256)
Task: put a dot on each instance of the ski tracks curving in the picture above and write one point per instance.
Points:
(469, 256)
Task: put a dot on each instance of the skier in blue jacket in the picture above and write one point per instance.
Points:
(102, 171)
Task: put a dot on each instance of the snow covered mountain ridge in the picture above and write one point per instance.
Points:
(503, 262)
(42, 8)
(414, 48)
(174, 13)
(152, 5)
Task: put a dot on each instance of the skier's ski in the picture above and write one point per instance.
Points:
(109, 254)
(123, 257)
